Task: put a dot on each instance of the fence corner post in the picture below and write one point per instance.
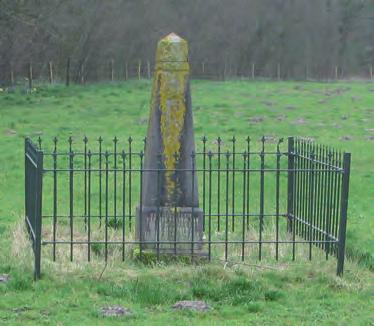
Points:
(343, 213)
(290, 192)
(38, 214)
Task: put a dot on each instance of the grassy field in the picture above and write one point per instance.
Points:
(337, 114)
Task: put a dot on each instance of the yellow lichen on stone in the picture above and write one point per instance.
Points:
(170, 86)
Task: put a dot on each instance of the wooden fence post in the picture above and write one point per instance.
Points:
(253, 71)
(68, 72)
(112, 70)
(278, 71)
(371, 71)
(148, 69)
(11, 75)
(336, 72)
(50, 72)
(126, 71)
(30, 75)
(82, 74)
(139, 69)
(203, 67)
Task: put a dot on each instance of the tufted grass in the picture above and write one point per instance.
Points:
(301, 293)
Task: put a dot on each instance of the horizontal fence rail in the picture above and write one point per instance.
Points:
(258, 199)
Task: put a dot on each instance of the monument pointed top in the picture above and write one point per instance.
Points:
(172, 48)
(172, 37)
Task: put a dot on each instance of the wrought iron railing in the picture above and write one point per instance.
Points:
(259, 199)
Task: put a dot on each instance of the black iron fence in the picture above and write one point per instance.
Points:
(259, 199)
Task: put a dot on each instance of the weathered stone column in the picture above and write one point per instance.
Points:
(170, 206)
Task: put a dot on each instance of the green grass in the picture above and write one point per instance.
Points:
(338, 114)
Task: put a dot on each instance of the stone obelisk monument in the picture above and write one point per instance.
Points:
(169, 210)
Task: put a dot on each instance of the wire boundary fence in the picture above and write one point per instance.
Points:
(80, 72)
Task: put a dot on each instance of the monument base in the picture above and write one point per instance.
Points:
(170, 230)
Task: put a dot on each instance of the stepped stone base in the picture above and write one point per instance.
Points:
(181, 224)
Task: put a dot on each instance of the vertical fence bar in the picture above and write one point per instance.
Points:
(277, 186)
(175, 200)
(219, 185)
(318, 196)
(321, 198)
(227, 204)
(244, 202)
(204, 139)
(40, 143)
(71, 195)
(115, 141)
(89, 208)
(337, 199)
(100, 180)
(123, 203)
(262, 185)
(315, 195)
(159, 189)
(330, 200)
(106, 203)
(233, 186)
(311, 210)
(304, 206)
(308, 193)
(140, 205)
(334, 200)
(193, 156)
(130, 181)
(291, 176)
(54, 197)
(210, 206)
(343, 212)
(329, 195)
(296, 195)
(27, 184)
(248, 167)
(38, 213)
(300, 186)
(85, 140)
(175, 228)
